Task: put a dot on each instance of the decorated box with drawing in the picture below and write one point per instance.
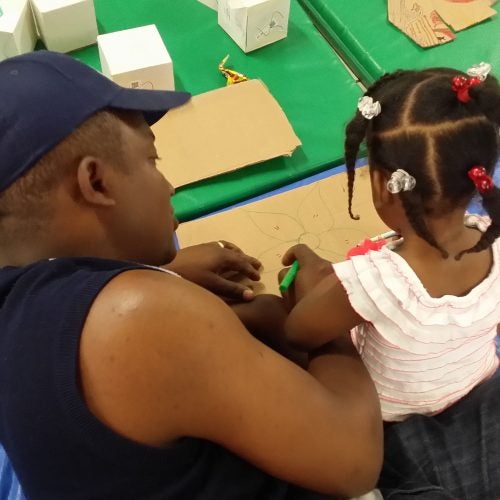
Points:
(252, 24)
(137, 58)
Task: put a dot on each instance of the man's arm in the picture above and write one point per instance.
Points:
(161, 358)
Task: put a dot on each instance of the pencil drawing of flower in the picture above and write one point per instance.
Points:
(313, 224)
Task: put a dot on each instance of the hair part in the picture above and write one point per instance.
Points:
(425, 130)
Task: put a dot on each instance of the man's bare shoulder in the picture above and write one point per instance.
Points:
(149, 289)
(143, 329)
(152, 300)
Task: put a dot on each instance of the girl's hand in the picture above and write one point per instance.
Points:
(312, 270)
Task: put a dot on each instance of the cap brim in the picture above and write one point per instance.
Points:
(153, 103)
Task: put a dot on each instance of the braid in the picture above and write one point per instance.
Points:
(414, 212)
(355, 134)
(491, 202)
(487, 98)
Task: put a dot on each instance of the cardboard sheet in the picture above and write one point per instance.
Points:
(315, 214)
(222, 130)
(428, 22)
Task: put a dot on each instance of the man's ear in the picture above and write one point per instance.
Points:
(381, 196)
(94, 182)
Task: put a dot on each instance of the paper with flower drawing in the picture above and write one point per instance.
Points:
(315, 214)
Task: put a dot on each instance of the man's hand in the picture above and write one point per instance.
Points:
(312, 270)
(217, 266)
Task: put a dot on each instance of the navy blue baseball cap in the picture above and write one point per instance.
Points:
(45, 96)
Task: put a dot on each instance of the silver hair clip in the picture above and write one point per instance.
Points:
(400, 181)
(368, 107)
(481, 70)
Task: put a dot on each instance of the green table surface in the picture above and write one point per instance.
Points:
(302, 71)
(360, 31)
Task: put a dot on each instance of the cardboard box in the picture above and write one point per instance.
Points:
(65, 25)
(252, 24)
(137, 58)
(17, 29)
(222, 130)
(213, 4)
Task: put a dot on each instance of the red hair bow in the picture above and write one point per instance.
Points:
(483, 182)
(461, 85)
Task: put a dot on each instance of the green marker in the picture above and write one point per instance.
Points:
(289, 277)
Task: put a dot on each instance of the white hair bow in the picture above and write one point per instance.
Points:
(400, 180)
(368, 107)
(480, 70)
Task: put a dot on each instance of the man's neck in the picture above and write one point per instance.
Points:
(21, 256)
(30, 250)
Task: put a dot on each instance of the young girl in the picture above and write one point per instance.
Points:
(423, 314)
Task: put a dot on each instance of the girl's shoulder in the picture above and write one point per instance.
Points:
(384, 261)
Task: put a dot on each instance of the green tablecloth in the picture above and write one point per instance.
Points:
(372, 46)
(302, 72)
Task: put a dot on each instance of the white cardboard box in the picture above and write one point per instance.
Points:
(137, 58)
(65, 25)
(17, 30)
(254, 23)
(213, 4)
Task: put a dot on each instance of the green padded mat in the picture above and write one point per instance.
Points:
(371, 45)
(302, 72)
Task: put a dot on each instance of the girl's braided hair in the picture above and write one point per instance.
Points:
(425, 130)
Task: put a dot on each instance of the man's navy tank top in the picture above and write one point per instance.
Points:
(59, 450)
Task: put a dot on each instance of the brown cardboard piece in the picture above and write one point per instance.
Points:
(427, 22)
(222, 130)
(315, 214)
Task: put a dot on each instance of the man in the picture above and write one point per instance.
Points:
(122, 381)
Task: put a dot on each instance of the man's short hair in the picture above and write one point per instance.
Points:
(98, 136)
